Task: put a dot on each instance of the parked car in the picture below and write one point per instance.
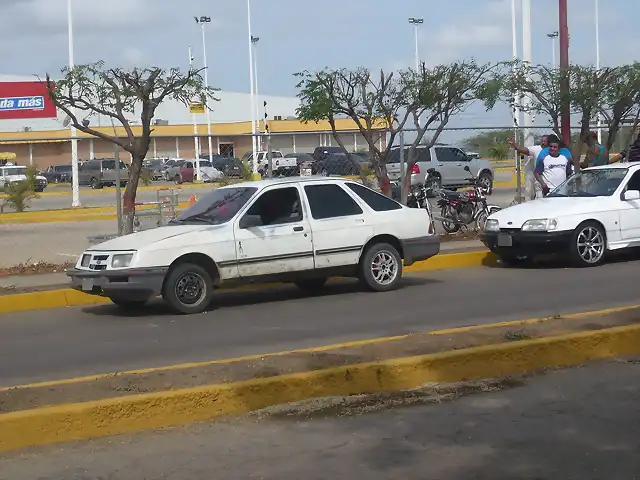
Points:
(320, 153)
(305, 162)
(58, 174)
(340, 164)
(187, 172)
(229, 166)
(10, 174)
(155, 167)
(448, 165)
(594, 212)
(293, 230)
(172, 168)
(101, 172)
(280, 165)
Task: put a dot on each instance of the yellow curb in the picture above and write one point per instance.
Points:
(71, 215)
(133, 413)
(319, 349)
(21, 302)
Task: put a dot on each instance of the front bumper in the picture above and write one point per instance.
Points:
(419, 249)
(518, 243)
(130, 283)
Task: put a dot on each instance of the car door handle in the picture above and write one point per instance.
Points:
(458, 164)
(440, 164)
(359, 220)
(298, 229)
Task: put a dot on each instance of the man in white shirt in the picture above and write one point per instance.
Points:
(553, 169)
(531, 187)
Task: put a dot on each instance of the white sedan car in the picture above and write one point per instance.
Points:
(301, 230)
(593, 212)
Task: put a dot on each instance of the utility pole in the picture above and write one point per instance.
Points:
(565, 108)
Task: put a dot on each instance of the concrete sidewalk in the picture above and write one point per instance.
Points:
(60, 280)
(577, 424)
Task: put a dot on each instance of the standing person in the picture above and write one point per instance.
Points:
(553, 166)
(531, 187)
(597, 154)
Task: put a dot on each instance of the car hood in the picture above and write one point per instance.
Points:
(138, 240)
(514, 217)
(18, 178)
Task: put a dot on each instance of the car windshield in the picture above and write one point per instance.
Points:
(205, 164)
(63, 168)
(600, 182)
(217, 207)
(15, 171)
(154, 164)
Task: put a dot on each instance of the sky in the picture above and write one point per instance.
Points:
(296, 35)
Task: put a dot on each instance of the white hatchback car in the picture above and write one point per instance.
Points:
(301, 230)
(594, 211)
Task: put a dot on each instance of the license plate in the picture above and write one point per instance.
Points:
(505, 240)
(87, 284)
(305, 172)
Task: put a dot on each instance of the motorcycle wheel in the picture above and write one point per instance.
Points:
(447, 212)
(481, 220)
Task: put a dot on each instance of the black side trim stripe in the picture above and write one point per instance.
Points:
(270, 258)
(333, 251)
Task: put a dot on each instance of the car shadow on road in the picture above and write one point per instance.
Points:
(255, 295)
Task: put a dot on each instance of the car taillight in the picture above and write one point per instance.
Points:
(415, 168)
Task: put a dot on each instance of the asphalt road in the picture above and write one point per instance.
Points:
(61, 343)
(578, 424)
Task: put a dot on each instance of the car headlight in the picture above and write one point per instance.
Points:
(121, 261)
(492, 225)
(540, 225)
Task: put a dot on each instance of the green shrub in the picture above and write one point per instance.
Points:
(18, 194)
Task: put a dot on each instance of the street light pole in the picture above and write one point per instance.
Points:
(416, 22)
(203, 21)
(254, 43)
(526, 57)
(597, 19)
(552, 37)
(565, 112)
(253, 98)
(196, 140)
(75, 185)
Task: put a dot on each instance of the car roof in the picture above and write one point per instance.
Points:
(286, 180)
(629, 165)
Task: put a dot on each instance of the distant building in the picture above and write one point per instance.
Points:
(45, 142)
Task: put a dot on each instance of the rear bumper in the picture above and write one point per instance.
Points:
(528, 243)
(419, 249)
(134, 283)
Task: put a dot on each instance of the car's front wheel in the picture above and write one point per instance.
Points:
(486, 182)
(188, 288)
(588, 244)
(381, 267)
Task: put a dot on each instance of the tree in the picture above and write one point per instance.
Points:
(621, 101)
(499, 151)
(484, 141)
(428, 99)
(92, 89)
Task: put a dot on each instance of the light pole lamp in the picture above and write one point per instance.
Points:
(416, 22)
(254, 44)
(203, 21)
(552, 37)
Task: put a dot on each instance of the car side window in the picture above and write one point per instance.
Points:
(276, 155)
(188, 165)
(424, 154)
(275, 207)
(444, 154)
(377, 201)
(634, 182)
(458, 155)
(330, 201)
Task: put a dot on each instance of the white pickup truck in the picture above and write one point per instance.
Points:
(299, 230)
(10, 174)
(281, 165)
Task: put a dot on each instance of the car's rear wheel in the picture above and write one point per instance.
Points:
(95, 184)
(177, 179)
(381, 267)
(588, 244)
(311, 285)
(188, 288)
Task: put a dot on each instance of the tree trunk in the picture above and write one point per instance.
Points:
(129, 197)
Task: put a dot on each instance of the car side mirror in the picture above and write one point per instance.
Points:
(631, 195)
(467, 168)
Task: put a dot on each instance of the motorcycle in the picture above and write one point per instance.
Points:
(460, 209)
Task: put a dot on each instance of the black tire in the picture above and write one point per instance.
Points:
(387, 254)
(177, 179)
(586, 256)
(95, 184)
(485, 180)
(448, 227)
(127, 303)
(178, 289)
(434, 182)
(311, 285)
